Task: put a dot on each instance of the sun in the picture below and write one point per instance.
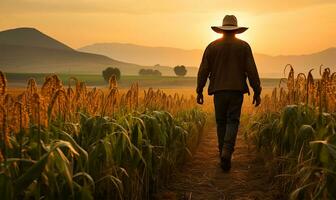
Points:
(243, 36)
(215, 36)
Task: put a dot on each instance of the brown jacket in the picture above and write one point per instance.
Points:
(228, 62)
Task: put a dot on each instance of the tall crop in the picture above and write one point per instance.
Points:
(295, 128)
(304, 89)
(75, 142)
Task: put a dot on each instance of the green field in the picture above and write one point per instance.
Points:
(20, 80)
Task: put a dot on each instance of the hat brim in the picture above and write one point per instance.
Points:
(221, 29)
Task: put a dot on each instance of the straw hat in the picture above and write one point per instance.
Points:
(230, 23)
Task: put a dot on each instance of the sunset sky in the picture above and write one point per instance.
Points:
(275, 27)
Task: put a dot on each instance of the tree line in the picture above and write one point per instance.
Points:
(179, 70)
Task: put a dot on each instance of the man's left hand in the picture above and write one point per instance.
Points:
(200, 99)
(256, 100)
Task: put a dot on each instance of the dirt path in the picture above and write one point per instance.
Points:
(202, 177)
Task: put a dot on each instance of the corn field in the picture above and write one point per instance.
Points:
(304, 89)
(73, 142)
(295, 129)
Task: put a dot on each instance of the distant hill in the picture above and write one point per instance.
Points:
(30, 37)
(29, 50)
(146, 55)
(269, 66)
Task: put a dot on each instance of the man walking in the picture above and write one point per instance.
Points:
(227, 62)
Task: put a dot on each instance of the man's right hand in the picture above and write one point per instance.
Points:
(200, 99)
(256, 100)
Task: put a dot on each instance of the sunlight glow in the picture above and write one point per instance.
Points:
(184, 24)
(215, 36)
(243, 36)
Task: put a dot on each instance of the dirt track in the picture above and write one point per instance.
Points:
(202, 177)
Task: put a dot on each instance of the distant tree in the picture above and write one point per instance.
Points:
(149, 72)
(108, 72)
(157, 73)
(142, 72)
(180, 70)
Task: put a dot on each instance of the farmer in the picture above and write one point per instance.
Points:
(227, 62)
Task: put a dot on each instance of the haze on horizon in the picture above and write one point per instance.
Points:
(275, 27)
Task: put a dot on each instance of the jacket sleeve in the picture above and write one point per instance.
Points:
(203, 72)
(252, 72)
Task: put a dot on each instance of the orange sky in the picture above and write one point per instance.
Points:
(276, 27)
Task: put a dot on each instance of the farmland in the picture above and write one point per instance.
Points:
(172, 82)
(76, 136)
(70, 142)
(295, 131)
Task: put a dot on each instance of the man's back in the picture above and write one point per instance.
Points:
(228, 61)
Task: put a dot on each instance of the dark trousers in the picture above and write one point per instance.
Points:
(227, 111)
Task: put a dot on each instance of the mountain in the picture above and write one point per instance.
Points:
(301, 63)
(30, 37)
(149, 56)
(29, 50)
(269, 66)
(146, 55)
